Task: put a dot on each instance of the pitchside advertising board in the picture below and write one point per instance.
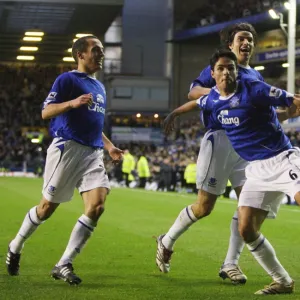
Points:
(136, 134)
(274, 55)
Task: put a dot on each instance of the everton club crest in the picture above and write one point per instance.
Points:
(234, 102)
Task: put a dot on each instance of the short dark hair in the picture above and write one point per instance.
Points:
(227, 34)
(81, 45)
(222, 53)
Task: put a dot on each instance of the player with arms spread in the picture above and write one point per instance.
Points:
(76, 106)
(245, 110)
(217, 161)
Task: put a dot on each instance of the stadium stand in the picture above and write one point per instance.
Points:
(220, 11)
(23, 90)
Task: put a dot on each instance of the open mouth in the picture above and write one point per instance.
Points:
(245, 50)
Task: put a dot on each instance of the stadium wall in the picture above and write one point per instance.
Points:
(189, 59)
(145, 25)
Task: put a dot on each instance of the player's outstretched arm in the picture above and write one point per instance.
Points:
(198, 91)
(115, 153)
(54, 109)
(183, 109)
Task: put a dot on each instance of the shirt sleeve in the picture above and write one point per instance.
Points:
(59, 91)
(204, 79)
(260, 77)
(266, 95)
(202, 102)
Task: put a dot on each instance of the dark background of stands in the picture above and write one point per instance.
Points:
(24, 86)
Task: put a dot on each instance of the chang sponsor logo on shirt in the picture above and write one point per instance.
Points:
(96, 106)
(223, 119)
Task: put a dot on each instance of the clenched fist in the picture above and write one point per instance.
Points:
(86, 99)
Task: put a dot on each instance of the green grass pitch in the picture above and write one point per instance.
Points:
(119, 260)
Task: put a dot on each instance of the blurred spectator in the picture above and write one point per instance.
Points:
(143, 170)
(128, 166)
(22, 90)
(190, 176)
(165, 176)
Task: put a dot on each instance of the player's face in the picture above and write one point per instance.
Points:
(224, 73)
(93, 57)
(243, 46)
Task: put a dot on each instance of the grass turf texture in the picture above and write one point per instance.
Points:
(119, 260)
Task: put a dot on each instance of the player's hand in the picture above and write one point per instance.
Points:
(292, 111)
(116, 154)
(86, 99)
(168, 124)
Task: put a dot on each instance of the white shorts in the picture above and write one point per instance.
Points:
(70, 165)
(269, 179)
(217, 163)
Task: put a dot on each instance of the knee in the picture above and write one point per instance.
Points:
(248, 232)
(204, 205)
(45, 209)
(202, 210)
(95, 210)
(99, 209)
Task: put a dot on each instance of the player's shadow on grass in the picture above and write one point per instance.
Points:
(88, 285)
(211, 281)
(184, 281)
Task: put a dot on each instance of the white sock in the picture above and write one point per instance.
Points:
(184, 220)
(236, 243)
(79, 236)
(265, 254)
(29, 225)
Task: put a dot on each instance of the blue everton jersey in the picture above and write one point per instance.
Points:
(84, 124)
(205, 80)
(249, 119)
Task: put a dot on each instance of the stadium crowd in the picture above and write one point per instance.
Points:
(168, 162)
(221, 11)
(23, 90)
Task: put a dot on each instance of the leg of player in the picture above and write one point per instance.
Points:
(94, 207)
(250, 221)
(230, 268)
(35, 216)
(189, 215)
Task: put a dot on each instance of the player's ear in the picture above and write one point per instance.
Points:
(230, 46)
(212, 73)
(79, 55)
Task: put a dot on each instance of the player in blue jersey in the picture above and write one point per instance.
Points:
(245, 110)
(76, 106)
(216, 165)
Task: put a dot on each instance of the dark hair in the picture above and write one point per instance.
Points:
(81, 45)
(222, 53)
(227, 34)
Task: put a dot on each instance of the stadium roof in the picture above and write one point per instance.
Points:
(59, 20)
